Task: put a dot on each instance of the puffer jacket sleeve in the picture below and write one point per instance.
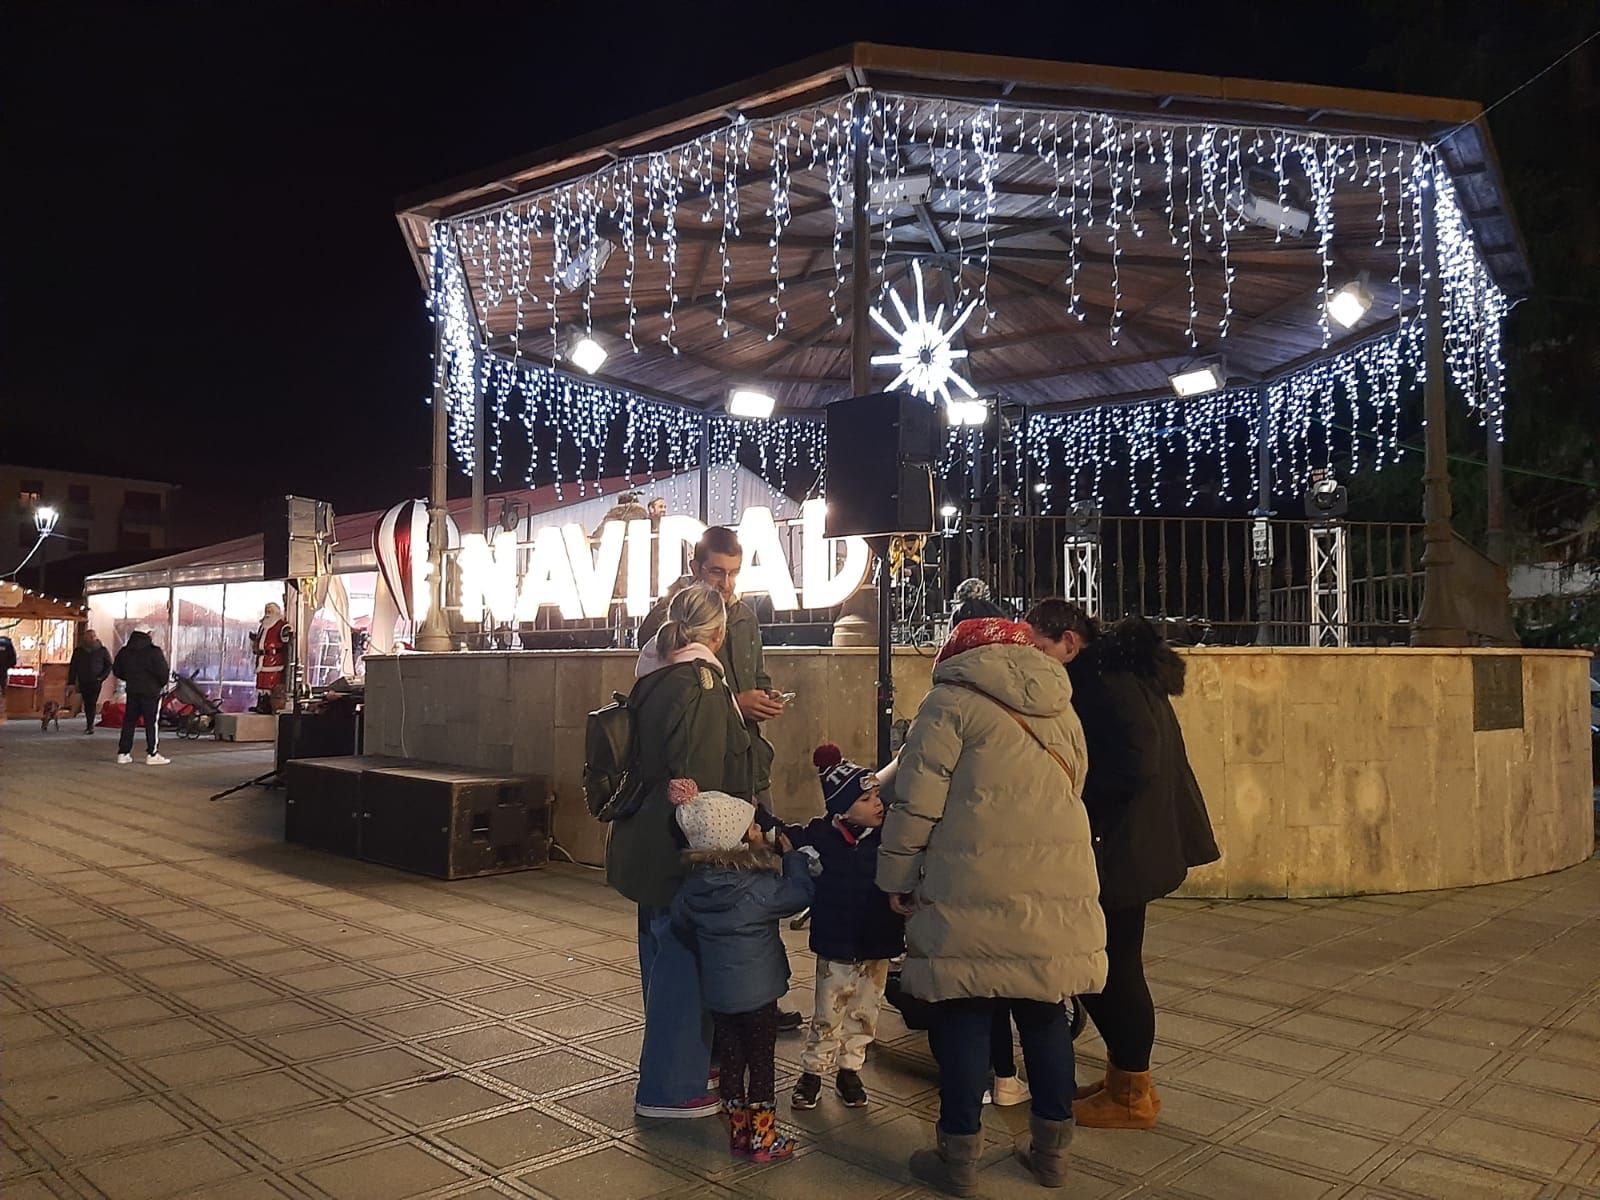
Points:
(922, 783)
(790, 892)
(1119, 731)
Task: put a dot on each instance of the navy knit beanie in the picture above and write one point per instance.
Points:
(842, 781)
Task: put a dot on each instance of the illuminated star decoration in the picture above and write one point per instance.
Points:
(924, 355)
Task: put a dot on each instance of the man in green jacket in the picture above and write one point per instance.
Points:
(717, 560)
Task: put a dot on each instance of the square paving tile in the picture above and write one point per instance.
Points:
(313, 1133)
(1426, 1174)
(389, 1172)
(437, 1100)
(203, 1064)
(88, 1134)
(481, 1045)
(514, 1137)
(192, 1165)
(1540, 1110)
(608, 1172)
(1505, 1145)
(66, 1091)
(319, 1041)
(1231, 1176)
(242, 1099)
(551, 1072)
(373, 1068)
(1314, 1145)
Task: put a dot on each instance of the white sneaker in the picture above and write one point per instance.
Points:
(156, 760)
(1010, 1089)
(124, 759)
(988, 1096)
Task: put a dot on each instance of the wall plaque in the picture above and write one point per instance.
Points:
(1496, 691)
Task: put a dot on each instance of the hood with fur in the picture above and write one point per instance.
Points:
(745, 858)
(1137, 647)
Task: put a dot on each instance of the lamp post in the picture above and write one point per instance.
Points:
(434, 636)
(44, 523)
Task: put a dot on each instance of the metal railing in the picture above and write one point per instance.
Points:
(1198, 574)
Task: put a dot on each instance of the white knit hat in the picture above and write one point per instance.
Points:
(712, 820)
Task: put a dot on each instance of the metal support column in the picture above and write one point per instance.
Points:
(1329, 559)
(1081, 582)
(479, 415)
(434, 636)
(1261, 532)
(1439, 621)
(705, 469)
(861, 385)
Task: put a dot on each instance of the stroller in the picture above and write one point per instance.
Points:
(188, 711)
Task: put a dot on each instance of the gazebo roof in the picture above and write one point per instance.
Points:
(1032, 351)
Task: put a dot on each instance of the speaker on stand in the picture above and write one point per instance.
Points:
(881, 451)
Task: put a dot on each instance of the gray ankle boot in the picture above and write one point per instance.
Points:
(1043, 1150)
(953, 1167)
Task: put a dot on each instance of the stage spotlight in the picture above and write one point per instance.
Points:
(966, 412)
(747, 402)
(1326, 499)
(1266, 213)
(587, 355)
(1197, 381)
(1350, 303)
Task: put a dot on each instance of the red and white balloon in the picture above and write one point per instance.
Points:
(401, 543)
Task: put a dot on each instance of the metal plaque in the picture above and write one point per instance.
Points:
(1496, 691)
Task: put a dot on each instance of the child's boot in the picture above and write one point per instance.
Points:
(767, 1145)
(738, 1128)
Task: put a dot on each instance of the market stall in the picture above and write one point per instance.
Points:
(43, 632)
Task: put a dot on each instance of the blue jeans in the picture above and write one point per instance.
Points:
(960, 1038)
(676, 1058)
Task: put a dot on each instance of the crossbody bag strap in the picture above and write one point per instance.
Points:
(1026, 728)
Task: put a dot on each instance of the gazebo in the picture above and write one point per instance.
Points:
(1149, 268)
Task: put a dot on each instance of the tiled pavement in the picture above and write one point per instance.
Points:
(188, 1006)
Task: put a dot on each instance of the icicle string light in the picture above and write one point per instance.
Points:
(1107, 178)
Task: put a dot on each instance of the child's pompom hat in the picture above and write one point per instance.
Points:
(710, 820)
(842, 781)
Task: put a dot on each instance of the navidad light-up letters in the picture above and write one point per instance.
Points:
(564, 571)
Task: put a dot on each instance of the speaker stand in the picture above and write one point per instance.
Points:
(885, 649)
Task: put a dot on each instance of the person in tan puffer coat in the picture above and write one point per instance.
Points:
(986, 848)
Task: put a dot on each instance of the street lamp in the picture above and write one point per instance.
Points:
(44, 520)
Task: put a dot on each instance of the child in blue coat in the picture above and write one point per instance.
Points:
(728, 909)
(854, 932)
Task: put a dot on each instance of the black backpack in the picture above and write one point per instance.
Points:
(612, 785)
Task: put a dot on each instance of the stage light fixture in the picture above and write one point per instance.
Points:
(587, 355)
(748, 402)
(1350, 303)
(1266, 213)
(948, 510)
(966, 412)
(1326, 499)
(584, 265)
(1197, 381)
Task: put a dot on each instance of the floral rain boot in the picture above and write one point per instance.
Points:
(767, 1145)
(738, 1128)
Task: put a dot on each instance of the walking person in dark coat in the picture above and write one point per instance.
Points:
(87, 672)
(1149, 822)
(142, 667)
(854, 932)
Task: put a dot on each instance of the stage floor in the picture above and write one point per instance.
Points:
(190, 1006)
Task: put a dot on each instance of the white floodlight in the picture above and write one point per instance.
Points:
(1350, 303)
(585, 264)
(966, 412)
(1197, 381)
(44, 519)
(1266, 213)
(587, 355)
(748, 402)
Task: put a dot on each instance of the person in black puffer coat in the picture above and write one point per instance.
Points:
(142, 667)
(1149, 824)
(854, 932)
(87, 672)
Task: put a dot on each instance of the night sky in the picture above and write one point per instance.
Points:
(205, 280)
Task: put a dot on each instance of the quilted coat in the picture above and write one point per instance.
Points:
(990, 836)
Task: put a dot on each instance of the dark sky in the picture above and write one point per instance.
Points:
(205, 281)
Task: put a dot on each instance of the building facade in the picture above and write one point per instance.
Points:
(99, 514)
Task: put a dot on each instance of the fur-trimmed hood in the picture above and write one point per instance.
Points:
(1135, 646)
(745, 858)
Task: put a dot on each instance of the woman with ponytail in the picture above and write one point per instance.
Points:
(686, 726)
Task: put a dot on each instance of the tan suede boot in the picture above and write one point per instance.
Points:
(1043, 1150)
(953, 1167)
(1128, 1101)
(1091, 1089)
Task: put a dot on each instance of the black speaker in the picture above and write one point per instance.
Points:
(881, 453)
(294, 531)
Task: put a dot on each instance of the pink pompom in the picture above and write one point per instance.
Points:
(827, 755)
(681, 791)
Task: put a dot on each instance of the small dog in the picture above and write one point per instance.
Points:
(52, 716)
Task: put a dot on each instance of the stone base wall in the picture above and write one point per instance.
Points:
(1326, 772)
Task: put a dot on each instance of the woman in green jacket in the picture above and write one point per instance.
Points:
(686, 726)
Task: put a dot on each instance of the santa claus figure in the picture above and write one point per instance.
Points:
(270, 644)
